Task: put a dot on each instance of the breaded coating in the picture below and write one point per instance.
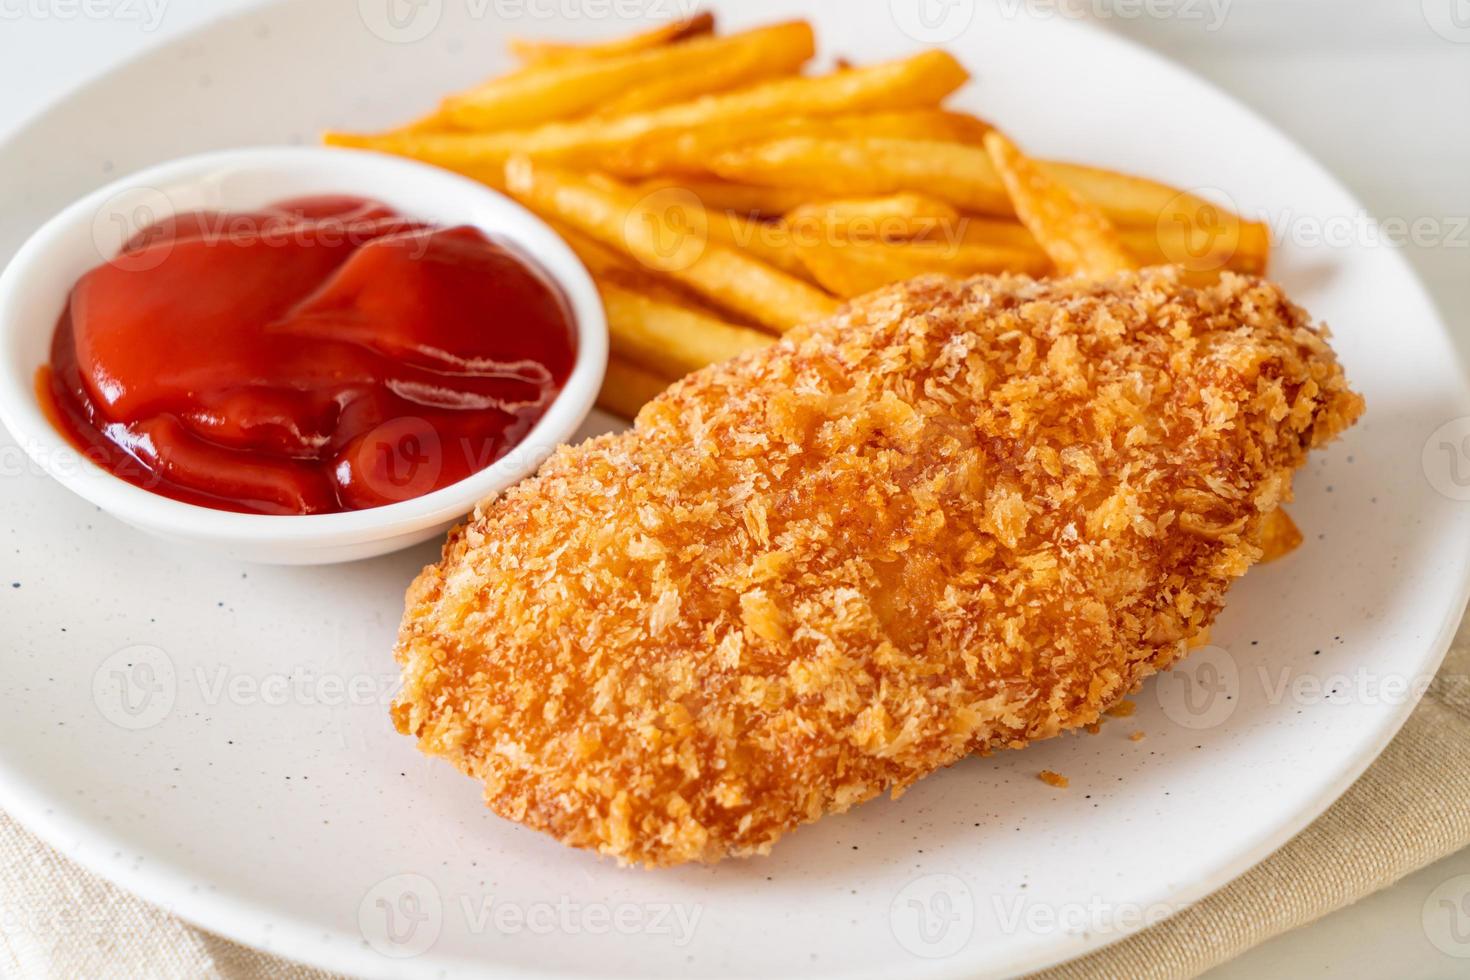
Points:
(957, 517)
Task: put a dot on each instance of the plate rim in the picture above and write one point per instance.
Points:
(164, 883)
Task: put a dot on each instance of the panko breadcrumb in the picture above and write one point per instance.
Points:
(954, 518)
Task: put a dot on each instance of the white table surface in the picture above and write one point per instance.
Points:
(1367, 86)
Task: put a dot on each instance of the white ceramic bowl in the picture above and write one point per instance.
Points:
(34, 288)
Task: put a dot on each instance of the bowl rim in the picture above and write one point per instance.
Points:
(498, 216)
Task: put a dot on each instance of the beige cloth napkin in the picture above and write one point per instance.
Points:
(1410, 809)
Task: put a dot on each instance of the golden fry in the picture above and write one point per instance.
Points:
(855, 268)
(1165, 244)
(717, 75)
(992, 231)
(864, 167)
(1279, 535)
(897, 216)
(918, 81)
(667, 338)
(626, 388)
(431, 122)
(600, 260)
(1191, 231)
(690, 151)
(563, 91)
(1148, 246)
(1071, 229)
(546, 53)
(744, 199)
(1194, 231)
(670, 234)
(771, 242)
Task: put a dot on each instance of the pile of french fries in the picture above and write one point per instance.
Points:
(720, 196)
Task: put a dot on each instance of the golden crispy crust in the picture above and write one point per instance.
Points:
(957, 517)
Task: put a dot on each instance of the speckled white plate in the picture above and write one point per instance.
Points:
(215, 736)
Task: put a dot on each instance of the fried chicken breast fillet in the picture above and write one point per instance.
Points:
(956, 517)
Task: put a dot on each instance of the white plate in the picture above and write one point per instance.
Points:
(214, 736)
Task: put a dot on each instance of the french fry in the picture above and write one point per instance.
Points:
(771, 242)
(1070, 229)
(995, 231)
(431, 122)
(868, 167)
(744, 199)
(717, 75)
(1148, 246)
(545, 53)
(601, 261)
(897, 216)
(1279, 536)
(1194, 230)
(487, 174)
(853, 268)
(1187, 246)
(922, 80)
(1191, 231)
(626, 388)
(668, 338)
(670, 235)
(613, 268)
(1082, 241)
(570, 89)
(689, 151)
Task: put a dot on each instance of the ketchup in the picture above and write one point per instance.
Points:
(320, 355)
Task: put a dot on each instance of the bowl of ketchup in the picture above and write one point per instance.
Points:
(296, 355)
